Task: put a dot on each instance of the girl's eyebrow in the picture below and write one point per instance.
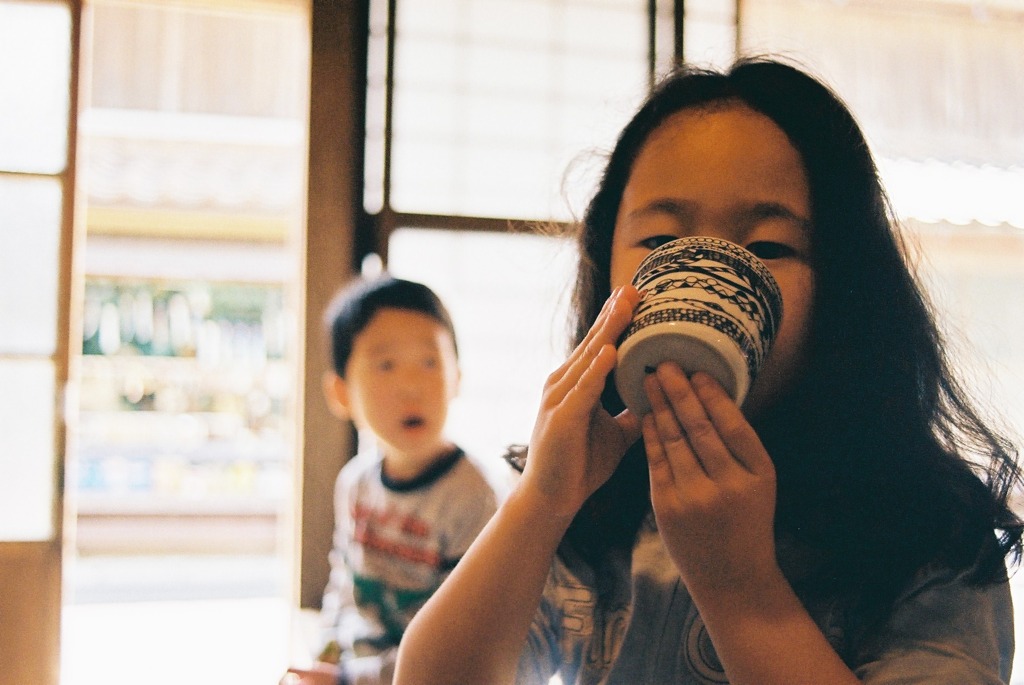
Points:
(774, 210)
(685, 211)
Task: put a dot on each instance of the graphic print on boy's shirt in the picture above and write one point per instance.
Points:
(396, 534)
(396, 543)
(391, 606)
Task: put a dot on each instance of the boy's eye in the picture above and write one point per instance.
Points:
(385, 365)
(430, 362)
(656, 241)
(766, 249)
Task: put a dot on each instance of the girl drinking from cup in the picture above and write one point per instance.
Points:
(848, 523)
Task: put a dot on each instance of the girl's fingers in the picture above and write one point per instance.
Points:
(664, 432)
(590, 381)
(658, 464)
(613, 319)
(686, 415)
(595, 328)
(731, 425)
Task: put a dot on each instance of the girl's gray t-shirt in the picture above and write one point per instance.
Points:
(645, 628)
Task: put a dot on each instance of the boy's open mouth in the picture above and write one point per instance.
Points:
(413, 421)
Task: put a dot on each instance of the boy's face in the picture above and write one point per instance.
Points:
(400, 377)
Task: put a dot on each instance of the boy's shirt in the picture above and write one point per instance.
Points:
(394, 543)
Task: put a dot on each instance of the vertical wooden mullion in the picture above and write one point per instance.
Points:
(339, 34)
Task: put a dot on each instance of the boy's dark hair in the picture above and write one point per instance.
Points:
(883, 464)
(354, 306)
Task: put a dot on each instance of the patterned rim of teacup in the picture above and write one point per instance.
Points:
(737, 257)
(746, 264)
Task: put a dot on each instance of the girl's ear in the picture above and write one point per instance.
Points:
(336, 392)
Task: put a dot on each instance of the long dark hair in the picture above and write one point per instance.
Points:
(884, 466)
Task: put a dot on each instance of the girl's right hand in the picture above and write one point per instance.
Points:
(575, 447)
(576, 444)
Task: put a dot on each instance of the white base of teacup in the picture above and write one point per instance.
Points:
(695, 347)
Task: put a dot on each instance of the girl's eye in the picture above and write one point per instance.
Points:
(430, 362)
(656, 241)
(385, 365)
(765, 249)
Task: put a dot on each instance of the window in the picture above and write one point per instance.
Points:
(34, 104)
(501, 112)
(493, 100)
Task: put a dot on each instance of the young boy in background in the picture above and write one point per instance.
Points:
(408, 508)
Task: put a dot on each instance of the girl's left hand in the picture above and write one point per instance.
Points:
(712, 484)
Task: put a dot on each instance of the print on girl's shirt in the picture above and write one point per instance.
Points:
(600, 631)
(605, 649)
(699, 654)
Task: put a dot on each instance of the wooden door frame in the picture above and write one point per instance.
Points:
(339, 34)
(30, 572)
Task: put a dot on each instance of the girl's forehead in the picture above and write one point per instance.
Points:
(723, 119)
(721, 153)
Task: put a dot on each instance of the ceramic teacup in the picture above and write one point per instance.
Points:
(707, 304)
